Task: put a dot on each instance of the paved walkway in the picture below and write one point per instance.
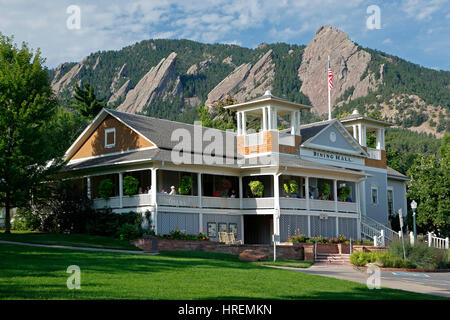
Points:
(407, 281)
(75, 248)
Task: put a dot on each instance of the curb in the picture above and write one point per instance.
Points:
(404, 269)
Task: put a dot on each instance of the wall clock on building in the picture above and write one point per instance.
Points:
(332, 137)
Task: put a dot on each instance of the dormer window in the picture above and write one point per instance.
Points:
(110, 137)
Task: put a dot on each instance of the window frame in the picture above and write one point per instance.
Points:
(107, 131)
(390, 189)
(372, 188)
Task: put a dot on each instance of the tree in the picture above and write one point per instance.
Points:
(430, 187)
(27, 111)
(218, 117)
(86, 102)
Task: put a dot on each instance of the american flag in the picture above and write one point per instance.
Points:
(330, 76)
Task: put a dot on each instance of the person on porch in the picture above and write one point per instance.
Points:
(172, 191)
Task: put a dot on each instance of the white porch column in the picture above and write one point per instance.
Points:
(200, 201)
(89, 192)
(269, 117)
(358, 208)
(276, 213)
(120, 189)
(244, 123)
(307, 197)
(199, 189)
(154, 200)
(241, 192)
(335, 195)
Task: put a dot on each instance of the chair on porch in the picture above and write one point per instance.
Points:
(232, 239)
(223, 237)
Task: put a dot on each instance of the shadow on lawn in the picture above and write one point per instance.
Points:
(35, 260)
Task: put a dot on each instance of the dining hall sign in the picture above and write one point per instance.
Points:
(332, 156)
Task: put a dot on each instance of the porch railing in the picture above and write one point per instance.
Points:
(322, 205)
(215, 202)
(258, 203)
(293, 203)
(177, 200)
(374, 153)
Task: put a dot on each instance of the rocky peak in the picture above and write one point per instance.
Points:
(246, 81)
(348, 64)
(160, 82)
(58, 85)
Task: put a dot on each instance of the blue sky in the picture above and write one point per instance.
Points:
(417, 31)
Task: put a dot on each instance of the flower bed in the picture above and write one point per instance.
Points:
(342, 239)
(177, 234)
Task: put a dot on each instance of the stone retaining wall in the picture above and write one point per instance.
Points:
(290, 252)
(287, 250)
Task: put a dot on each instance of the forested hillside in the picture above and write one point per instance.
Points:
(171, 78)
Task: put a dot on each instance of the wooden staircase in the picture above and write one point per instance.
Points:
(333, 258)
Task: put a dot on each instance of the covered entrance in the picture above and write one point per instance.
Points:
(258, 229)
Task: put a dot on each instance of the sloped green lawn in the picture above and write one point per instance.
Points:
(74, 240)
(40, 273)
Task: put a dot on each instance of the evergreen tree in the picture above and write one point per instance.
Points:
(86, 102)
(27, 139)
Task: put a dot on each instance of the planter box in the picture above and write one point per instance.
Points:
(329, 248)
(343, 248)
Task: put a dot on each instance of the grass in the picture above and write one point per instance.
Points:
(74, 240)
(40, 273)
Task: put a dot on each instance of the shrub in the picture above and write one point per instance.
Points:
(65, 209)
(107, 223)
(344, 192)
(130, 185)
(128, 231)
(106, 188)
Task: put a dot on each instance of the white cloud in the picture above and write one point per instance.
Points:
(113, 24)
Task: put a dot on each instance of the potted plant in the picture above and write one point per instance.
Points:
(106, 188)
(257, 188)
(130, 185)
(324, 190)
(290, 187)
(344, 192)
(185, 185)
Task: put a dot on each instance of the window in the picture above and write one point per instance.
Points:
(110, 137)
(390, 201)
(374, 194)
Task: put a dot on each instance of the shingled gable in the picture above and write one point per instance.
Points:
(313, 133)
(129, 139)
(158, 132)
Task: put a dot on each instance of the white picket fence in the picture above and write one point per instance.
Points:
(437, 242)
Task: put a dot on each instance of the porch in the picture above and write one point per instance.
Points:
(219, 192)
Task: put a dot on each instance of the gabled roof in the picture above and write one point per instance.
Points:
(157, 131)
(267, 98)
(357, 117)
(395, 175)
(310, 132)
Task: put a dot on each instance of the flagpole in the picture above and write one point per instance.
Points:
(329, 90)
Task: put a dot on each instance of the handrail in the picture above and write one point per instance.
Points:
(388, 233)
